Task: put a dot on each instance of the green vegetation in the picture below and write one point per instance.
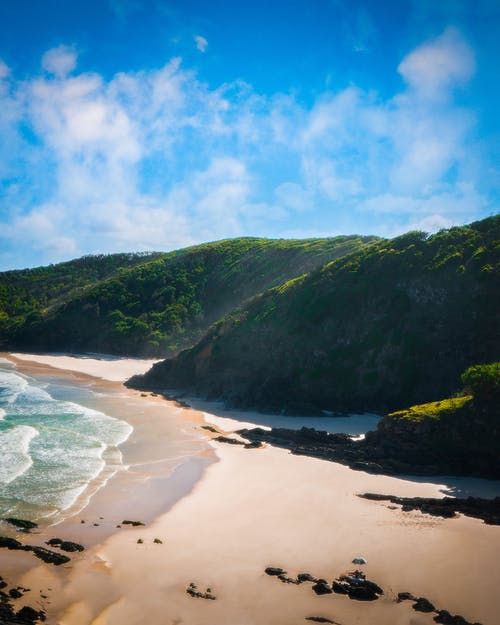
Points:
(390, 324)
(459, 435)
(432, 410)
(483, 380)
(149, 304)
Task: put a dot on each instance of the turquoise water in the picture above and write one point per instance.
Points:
(51, 449)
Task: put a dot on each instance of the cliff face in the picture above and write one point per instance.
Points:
(391, 324)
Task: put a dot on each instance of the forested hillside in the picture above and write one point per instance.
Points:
(390, 324)
(149, 304)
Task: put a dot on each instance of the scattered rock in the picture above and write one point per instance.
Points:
(486, 509)
(423, 605)
(405, 596)
(65, 545)
(362, 593)
(322, 588)
(158, 541)
(11, 543)
(288, 580)
(139, 541)
(21, 524)
(210, 428)
(306, 577)
(193, 592)
(15, 593)
(359, 560)
(358, 587)
(230, 441)
(340, 588)
(273, 570)
(51, 557)
(133, 523)
(30, 615)
(319, 619)
(444, 617)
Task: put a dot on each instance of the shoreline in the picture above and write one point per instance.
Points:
(252, 508)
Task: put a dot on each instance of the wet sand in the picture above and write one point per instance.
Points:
(265, 507)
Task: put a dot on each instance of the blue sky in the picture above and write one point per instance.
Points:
(131, 125)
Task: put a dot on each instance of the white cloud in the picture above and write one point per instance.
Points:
(4, 70)
(436, 66)
(59, 61)
(157, 159)
(201, 43)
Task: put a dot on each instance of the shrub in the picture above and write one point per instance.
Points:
(483, 380)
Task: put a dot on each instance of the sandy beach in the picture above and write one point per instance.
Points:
(226, 513)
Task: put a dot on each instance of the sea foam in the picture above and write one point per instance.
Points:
(50, 450)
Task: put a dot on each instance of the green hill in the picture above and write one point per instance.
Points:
(390, 324)
(151, 304)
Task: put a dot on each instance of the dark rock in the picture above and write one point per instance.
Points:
(364, 465)
(423, 605)
(54, 542)
(209, 428)
(253, 445)
(15, 593)
(486, 509)
(3, 584)
(273, 570)
(288, 580)
(321, 588)
(444, 617)
(30, 615)
(306, 577)
(230, 441)
(10, 543)
(340, 588)
(405, 596)
(318, 619)
(191, 590)
(133, 523)
(158, 541)
(373, 586)
(67, 545)
(362, 593)
(21, 523)
(51, 557)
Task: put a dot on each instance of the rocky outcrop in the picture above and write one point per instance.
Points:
(51, 557)
(65, 545)
(486, 509)
(463, 442)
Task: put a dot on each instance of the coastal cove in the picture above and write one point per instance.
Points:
(223, 514)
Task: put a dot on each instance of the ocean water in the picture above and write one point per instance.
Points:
(52, 449)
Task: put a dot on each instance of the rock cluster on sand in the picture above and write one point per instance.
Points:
(8, 614)
(421, 604)
(193, 591)
(65, 545)
(486, 509)
(354, 585)
(21, 524)
(51, 557)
